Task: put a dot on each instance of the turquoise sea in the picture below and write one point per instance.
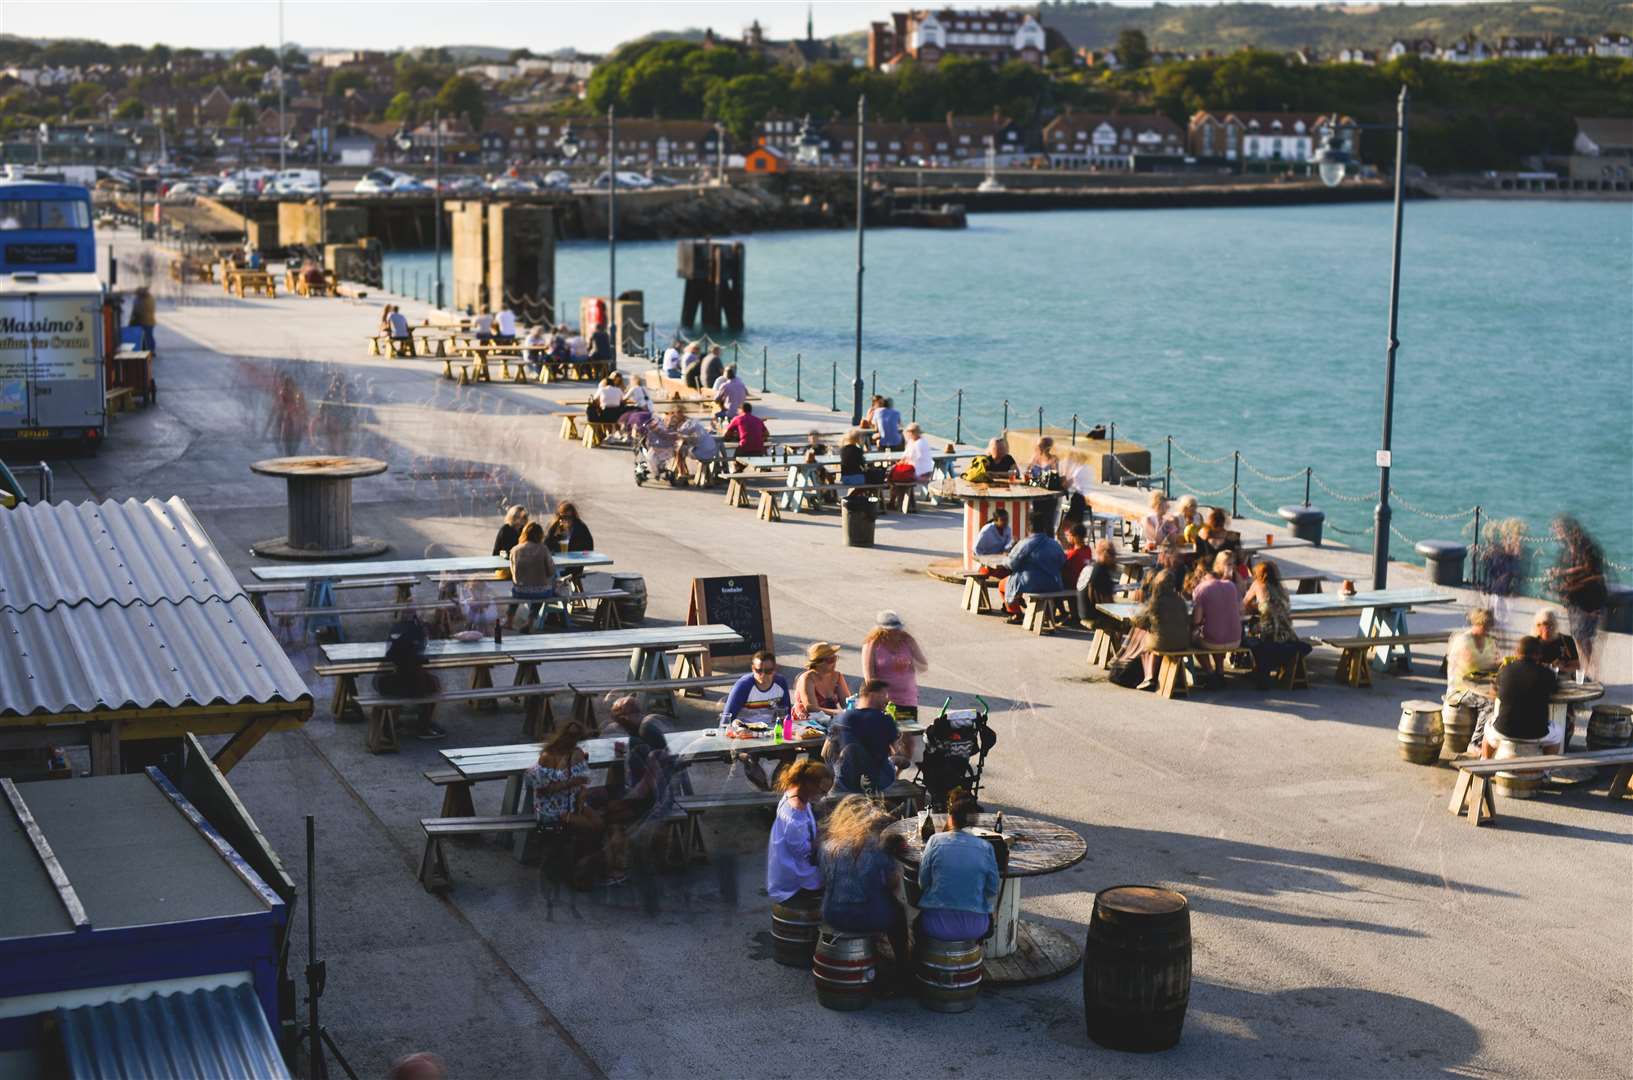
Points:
(1252, 330)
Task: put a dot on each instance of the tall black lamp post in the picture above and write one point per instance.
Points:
(1333, 161)
(612, 230)
(861, 222)
(569, 147)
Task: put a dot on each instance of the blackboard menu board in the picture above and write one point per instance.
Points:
(742, 603)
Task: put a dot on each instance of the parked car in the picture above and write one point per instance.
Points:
(408, 185)
(556, 180)
(626, 179)
(455, 185)
(378, 181)
(510, 185)
(236, 187)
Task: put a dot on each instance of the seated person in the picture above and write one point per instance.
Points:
(748, 431)
(1472, 659)
(1079, 556)
(729, 393)
(1098, 584)
(852, 460)
(762, 695)
(714, 369)
(1557, 650)
(1216, 618)
(887, 424)
(406, 674)
(862, 743)
(635, 395)
(671, 360)
(1524, 687)
(1034, 565)
(860, 878)
(820, 687)
(599, 348)
(792, 871)
(402, 339)
(919, 454)
(504, 327)
(1273, 641)
(1044, 461)
(532, 573)
(999, 463)
(253, 261)
(958, 875)
(1163, 625)
(995, 537)
(313, 276)
(607, 403)
(697, 442)
(482, 328)
(1187, 518)
(537, 347)
(1158, 526)
(567, 531)
(1214, 537)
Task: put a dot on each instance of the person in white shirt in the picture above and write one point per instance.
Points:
(482, 327)
(607, 403)
(401, 338)
(918, 453)
(636, 396)
(671, 362)
(536, 347)
(504, 331)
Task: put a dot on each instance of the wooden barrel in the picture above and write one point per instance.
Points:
(632, 608)
(843, 968)
(949, 974)
(1457, 723)
(1137, 968)
(1517, 785)
(794, 931)
(1419, 733)
(1610, 727)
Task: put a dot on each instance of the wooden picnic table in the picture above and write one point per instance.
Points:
(1019, 952)
(805, 472)
(565, 560)
(1382, 613)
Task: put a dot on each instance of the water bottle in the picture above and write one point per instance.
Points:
(776, 727)
(787, 729)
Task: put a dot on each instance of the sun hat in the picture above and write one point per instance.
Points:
(889, 620)
(820, 651)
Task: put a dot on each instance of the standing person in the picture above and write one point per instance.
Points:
(820, 687)
(748, 431)
(1580, 580)
(860, 878)
(792, 870)
(557, 786)
(1034, 564)
(892, 656)
(1216, 617)
(729, 392)
(532, 573)
(1505, 566)
(888, 427)
(760, 695)
(144, 313)
(567, 531)
(714, 368)
(958, 876)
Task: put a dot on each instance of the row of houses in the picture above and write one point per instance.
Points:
(1471, 49)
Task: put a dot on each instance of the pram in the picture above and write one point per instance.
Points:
(955, 752)
(656, 447)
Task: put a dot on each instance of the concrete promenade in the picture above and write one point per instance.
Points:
(1345, 924)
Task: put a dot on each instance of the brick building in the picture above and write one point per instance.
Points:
(997, 36)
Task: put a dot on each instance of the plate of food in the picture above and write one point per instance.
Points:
(468, 635)
(756, 726)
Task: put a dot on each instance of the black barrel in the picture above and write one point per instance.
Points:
(1137, 968)
(794, 932)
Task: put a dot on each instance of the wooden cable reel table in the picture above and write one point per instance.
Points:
(320, 508)
(1019, 952)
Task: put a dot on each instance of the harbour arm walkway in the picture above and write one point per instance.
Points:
(1345, 925)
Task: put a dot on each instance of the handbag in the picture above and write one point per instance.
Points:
(977, 471)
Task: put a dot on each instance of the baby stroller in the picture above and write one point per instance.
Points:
(655, 447)
(955, 752)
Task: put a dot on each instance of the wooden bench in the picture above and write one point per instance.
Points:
(1048, 611)
(456, 793)
(383, 712)
(1355, 651)
(258, 591)
(345, 676)
(240, 282)
(1473, 789)
(770, 511)
(905, 793)
(596, 432)
(386, 345)
(1173, 680)
(978, 586)
(119, 399)
(605, 615)
(470, 370)
(737, 486)
(434, 862)
(585, 693)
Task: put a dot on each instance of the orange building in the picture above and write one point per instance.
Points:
(765, 159)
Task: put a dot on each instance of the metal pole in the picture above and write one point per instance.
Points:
(612, 230)
(1306, 485)
(1074, 429)
(1168, 472)
(1381, 515)
(320, 139)
(1040, 421)
(915, 401)
(861, 165)
(1475, 554)
(1005, 428)
(958, 424)
(797, 373)
(436, 200)
(314, 972)
(1113, 452)
(765, 367)
(1235, 475)
(834, 393)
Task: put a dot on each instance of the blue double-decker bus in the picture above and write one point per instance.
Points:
(45, 228)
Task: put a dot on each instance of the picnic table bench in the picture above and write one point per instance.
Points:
(585, 693)
(259, 590)
(1472, 793)
(770, 510)
(239, 281)
(1353, 651)
(383, 711)
(185, 270)
(118, 399)
(345, 674)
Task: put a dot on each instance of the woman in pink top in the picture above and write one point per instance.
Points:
(889, 653)
(1216, 617)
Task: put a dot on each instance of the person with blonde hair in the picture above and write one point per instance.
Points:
(1044, 461)
(860, 877)
(1158, 526)
(958, 876)
(792, 870)
(1472, 659)
(820, 687)
(853, 462)
(892, 655)
(1216, 618)
(1188, 520)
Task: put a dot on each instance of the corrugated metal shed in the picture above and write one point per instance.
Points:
(200, 1035)
(119, 553)
(80, 659)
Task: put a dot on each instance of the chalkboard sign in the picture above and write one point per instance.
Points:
(742, 603)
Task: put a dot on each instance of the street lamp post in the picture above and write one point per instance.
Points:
(282, 77)
(436, 201)
(612, 230)
(1333, 161)
(569, 146)
(861, 215)
(719, 153)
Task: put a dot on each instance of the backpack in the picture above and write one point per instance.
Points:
(977, 472)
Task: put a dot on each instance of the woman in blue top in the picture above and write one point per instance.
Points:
(958, 874)
(859, 875)
(1034, 564)
(791, 868)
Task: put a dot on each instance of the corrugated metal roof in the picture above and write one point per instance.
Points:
(77, 659)
(198, 1035)
(108, 553)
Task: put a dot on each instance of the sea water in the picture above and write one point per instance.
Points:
(1259, 330)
